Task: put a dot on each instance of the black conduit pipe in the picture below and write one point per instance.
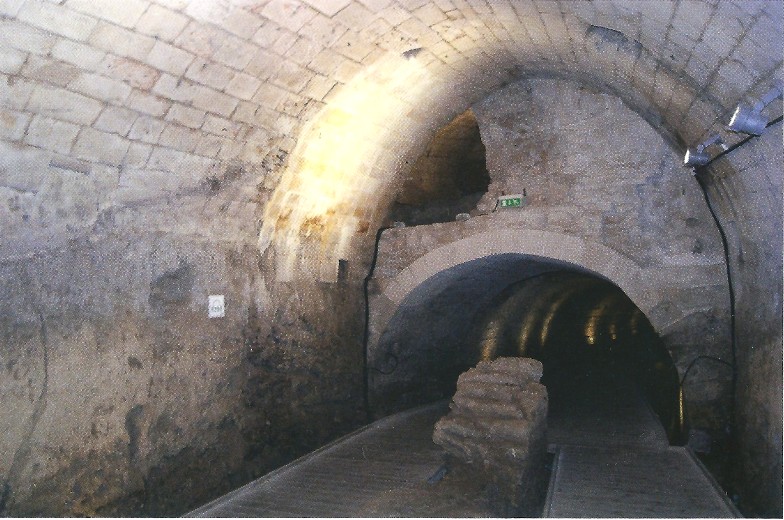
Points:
(366, 335)
(731, 289)
(698, 172)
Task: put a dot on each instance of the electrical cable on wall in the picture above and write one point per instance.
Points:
(366, 336)
(699, 170)
(733, 341)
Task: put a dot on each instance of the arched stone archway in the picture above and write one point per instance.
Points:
(652, 289)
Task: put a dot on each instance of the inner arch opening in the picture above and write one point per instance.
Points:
(449, 178)
(588, 334)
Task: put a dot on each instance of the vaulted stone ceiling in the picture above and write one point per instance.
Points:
(153, 152)
(349, 92)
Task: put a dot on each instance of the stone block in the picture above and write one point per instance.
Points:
(222, 127)
(137, 156)
(346, 71)
(173, 88)
(162, 23)
(186, 116)
(235, 52)
(101, 87)
(326, 62)
(328, 7)
(209, 146)
(212, 101)
(169, 160)
(133, 72)
(243, 86)
(64, 105)
(355, 15)
(121, 41)
(13, 124)
(495, 432)
(691, 18)
(51, 134)
(353, 46)
(146, 129)
(393, 14)
(288, 14)
(126, 13)
(318, 87)
(10, 8)
(179, 138)
(169, 58)
(263, 64)
(430, 14)
(78, 54)
(15, 92)
(50, 71)
(209, 73)
(245, 112)
(242, 23)
(18, 35)
(147, 103)
(199, 39)
(291, 77)
(303, 51)
(102, 147)
(57, 19)
(11, 61)
(116, 120)
(284, 42)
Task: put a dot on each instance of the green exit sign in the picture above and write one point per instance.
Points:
(510, 201)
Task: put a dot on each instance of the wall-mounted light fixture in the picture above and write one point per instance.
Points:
(750, 120)
(698, 156)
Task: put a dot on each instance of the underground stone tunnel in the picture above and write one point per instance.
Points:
(155, 153)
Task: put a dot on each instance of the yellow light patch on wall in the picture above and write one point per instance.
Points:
(489, 343)
(551, 313)
(331, 164)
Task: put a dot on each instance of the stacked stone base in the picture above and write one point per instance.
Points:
(495, 432)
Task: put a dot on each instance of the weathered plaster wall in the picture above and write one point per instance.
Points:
(596, 176)
(120, 395)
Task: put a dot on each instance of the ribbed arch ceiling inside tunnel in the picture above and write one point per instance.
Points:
(515, 305)
(349, 158)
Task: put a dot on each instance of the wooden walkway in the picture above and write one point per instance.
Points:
(380, 470)
(613, 459)
(590, 482)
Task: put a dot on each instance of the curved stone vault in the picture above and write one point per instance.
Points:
(156, 152)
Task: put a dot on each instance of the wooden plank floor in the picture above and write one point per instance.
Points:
(613, 459)
(381, 470)
(602, 409)
(592, 482)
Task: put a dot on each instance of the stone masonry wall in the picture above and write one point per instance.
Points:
(140, 143)
(592, 169)
(746, 188)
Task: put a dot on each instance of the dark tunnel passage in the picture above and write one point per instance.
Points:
(589, 335)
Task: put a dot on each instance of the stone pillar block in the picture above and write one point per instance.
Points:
(495, 431)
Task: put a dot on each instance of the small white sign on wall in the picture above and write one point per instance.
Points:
(216, 306)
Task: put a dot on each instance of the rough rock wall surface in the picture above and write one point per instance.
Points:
(496, 430)
(596, 175)
(124, 125)
(746, 190)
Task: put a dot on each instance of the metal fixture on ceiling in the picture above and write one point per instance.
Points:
(750, 120)
(698, 156)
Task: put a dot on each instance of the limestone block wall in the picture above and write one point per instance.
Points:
(134, 163)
